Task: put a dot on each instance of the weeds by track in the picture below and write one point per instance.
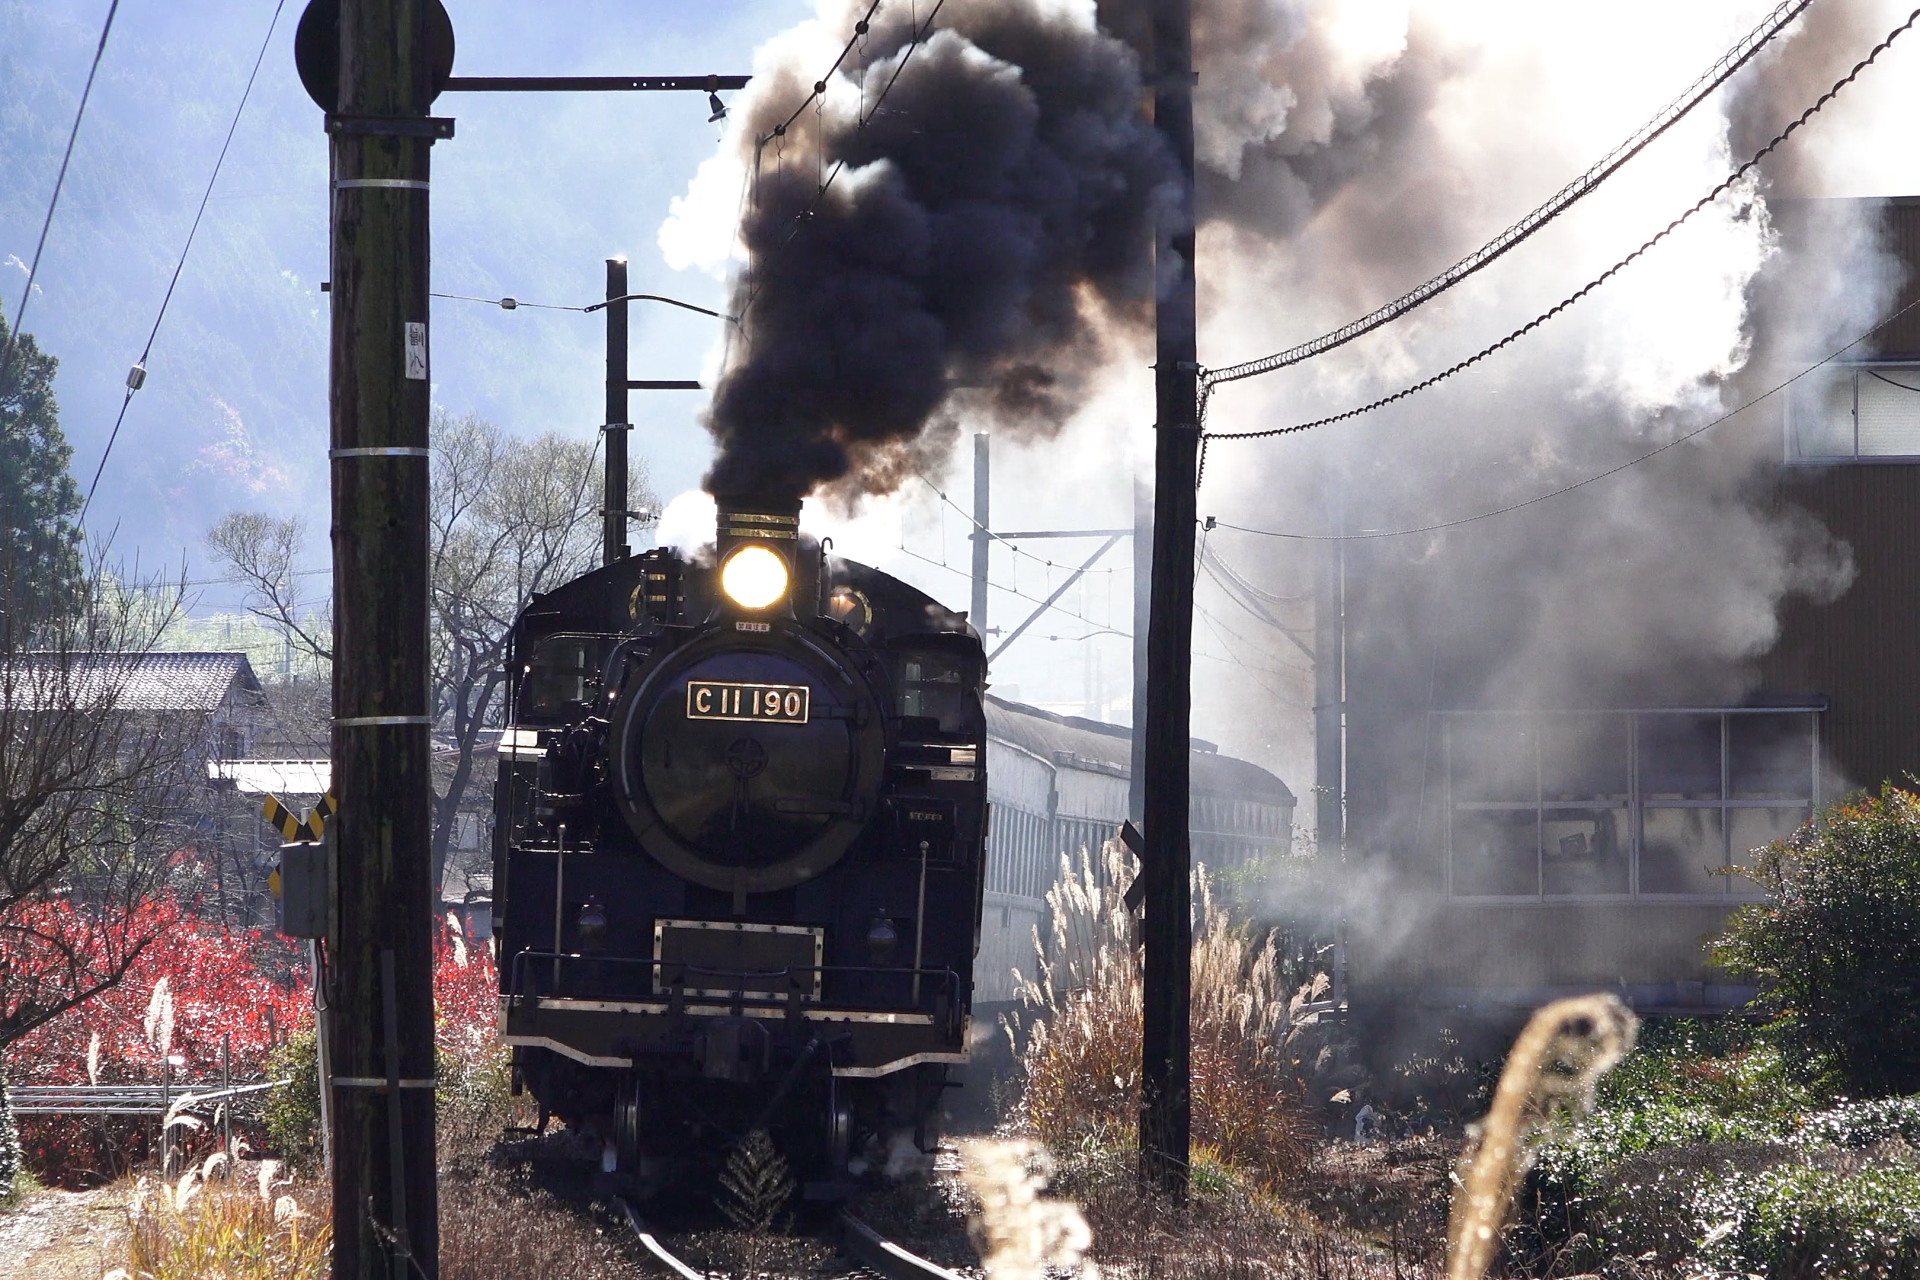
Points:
(865, 1253)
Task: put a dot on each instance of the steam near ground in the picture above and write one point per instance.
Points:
(1348, 150)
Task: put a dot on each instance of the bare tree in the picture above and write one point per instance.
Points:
(95, 781)
(510, 517)
(261, 551)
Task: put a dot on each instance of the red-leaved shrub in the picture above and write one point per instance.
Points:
(195, 991)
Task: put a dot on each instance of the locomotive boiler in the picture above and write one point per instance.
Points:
(739, 854)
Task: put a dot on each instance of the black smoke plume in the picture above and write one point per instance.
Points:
(993, 217)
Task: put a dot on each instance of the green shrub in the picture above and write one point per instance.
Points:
(1858, 1125)
(1790, 1223)
(1727, 1067)
(292, 1113)
(1832, 946)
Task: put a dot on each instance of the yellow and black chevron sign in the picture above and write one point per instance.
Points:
(295, 827)
(322, 814)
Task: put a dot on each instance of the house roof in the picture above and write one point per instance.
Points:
(154, 681)
(274, 777)
(1074, 742)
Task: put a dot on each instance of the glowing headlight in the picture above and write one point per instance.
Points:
(754, 577)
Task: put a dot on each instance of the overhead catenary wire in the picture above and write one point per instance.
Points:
(1014, 547)
(1592, 479)
(1105, 628)
(1721, 188)
(917, 35)
(138, 375)
(1716, 75)
(53, 202)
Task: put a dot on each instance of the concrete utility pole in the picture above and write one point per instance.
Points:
(385, 1212)
(614, 503)
(1167, 931)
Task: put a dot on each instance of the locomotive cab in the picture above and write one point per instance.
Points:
(739, 849)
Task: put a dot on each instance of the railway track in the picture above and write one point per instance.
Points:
(870, 1254)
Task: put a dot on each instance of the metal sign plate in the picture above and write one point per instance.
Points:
(760, 703)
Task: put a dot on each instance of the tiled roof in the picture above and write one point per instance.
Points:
(1071, 741)
(157, 681)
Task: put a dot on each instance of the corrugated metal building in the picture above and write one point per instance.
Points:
(1537, 852)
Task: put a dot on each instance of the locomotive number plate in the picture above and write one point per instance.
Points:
(766, 703)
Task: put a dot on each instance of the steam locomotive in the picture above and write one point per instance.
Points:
(739, 855)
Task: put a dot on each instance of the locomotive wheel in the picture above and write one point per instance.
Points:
(627, 1122)
(839, 1129)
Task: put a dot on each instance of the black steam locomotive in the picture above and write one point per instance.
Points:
(739, 854)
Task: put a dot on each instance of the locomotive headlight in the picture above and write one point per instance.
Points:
(754, 577)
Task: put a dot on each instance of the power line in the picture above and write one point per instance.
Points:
(1592, 479)
(136, 378)
(1672, 114)
(73, 135)
(1719, 189)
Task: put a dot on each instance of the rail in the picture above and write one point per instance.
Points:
(877, 1253)
(858, 1241)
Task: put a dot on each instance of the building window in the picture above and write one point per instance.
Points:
(1853, 413)
(1609, 804)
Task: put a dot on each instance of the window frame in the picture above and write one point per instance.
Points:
(1635, 809)
(1790, 420)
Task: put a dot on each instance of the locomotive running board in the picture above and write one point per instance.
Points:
(899, 1064)
(753, 1009)
(566, 1051)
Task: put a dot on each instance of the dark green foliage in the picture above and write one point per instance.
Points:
(292, 1115)
(1834, 944)
(1799, 1223)
(40, 568)
(756, 1185)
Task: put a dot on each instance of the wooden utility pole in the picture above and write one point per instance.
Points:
(982, 540)
(380, 946)
(617, 428)
(1167, 931)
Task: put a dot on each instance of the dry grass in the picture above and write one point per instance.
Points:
(210, 1222)
(1561, 1054)
(1082, 1052)
(493, 1230)
(1229, 1228)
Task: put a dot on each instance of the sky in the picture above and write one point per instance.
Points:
(1502, 102)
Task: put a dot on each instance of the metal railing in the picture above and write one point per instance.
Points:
(125, 1099)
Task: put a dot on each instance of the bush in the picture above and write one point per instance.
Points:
(210, 1223)
(1833, 944)
(197, 991)
(292, 1114)
(1082, 1050)
(1795, 1223)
